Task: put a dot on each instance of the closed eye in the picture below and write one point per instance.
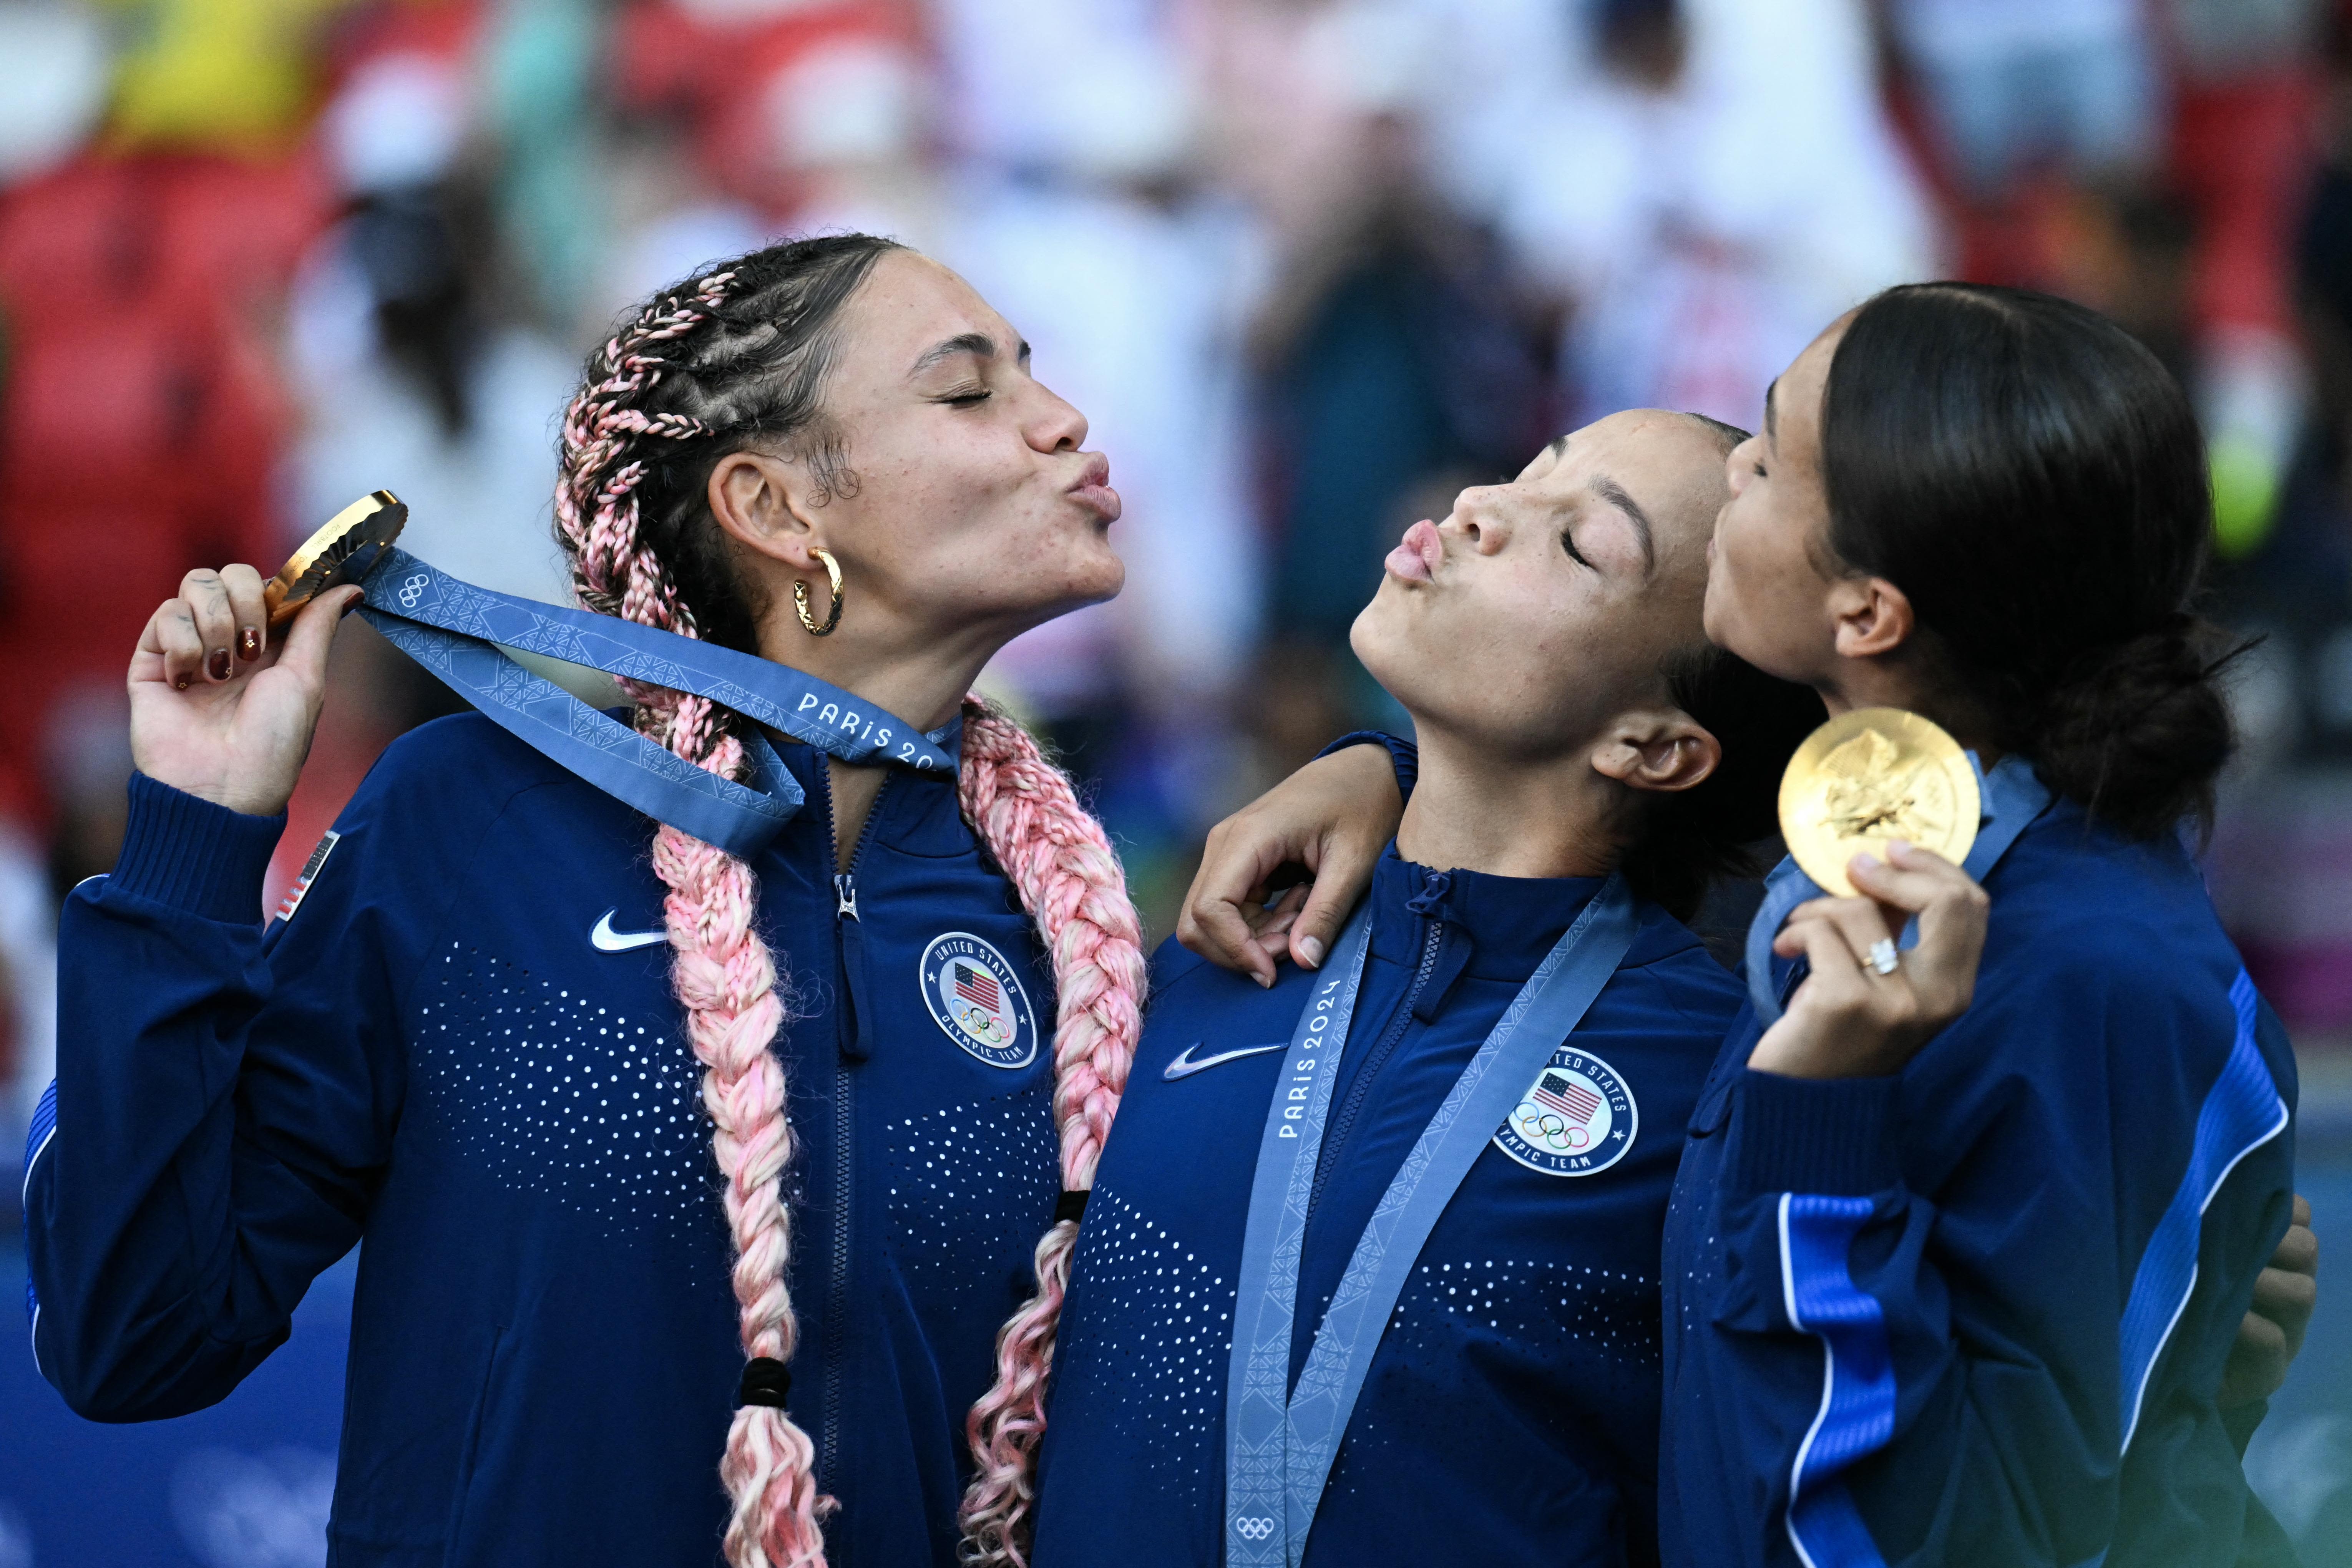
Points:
(1568, 543)
(966, 397)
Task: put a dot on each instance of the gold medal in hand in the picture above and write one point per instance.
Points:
(1872, 775)
(338, 553)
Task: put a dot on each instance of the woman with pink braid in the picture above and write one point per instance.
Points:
(504, 1023)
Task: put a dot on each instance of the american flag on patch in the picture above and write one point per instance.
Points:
(978, 986)
(310, 867)
(1571, 1100)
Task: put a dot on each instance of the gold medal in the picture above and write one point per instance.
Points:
(1872, 775)
(338, 553)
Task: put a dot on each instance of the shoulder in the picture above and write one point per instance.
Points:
(2108, 985)
(1184, 982)
(2081, 911)
(453, 778)
(1670, 967)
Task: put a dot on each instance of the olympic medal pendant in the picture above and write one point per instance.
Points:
(1872, 775)
(338, 553)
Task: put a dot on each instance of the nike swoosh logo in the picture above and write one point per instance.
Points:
(605, 939)
(1186, 1067)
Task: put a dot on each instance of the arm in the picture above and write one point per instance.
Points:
(221, 1098)
(1333, 816)
(1949, 1374)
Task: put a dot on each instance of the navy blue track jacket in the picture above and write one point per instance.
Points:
(1510, 1413)
(463, 1048)
(1978, 1313)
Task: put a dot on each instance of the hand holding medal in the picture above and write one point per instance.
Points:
(1879, 806)
(219, 707)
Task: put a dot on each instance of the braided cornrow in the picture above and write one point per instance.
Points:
(738, 354)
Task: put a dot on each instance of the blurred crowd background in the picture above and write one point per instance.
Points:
(1308, 266)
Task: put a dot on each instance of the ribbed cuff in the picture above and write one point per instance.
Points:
(1833, 1136)
(193, 856)
(1403, 755)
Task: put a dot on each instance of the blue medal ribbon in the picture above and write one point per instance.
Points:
(1279, 1450)
(457, 631)
(2014, 796)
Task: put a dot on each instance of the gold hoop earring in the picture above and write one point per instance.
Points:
(801, 598)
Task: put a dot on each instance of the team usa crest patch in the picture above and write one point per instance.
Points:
(1578, 1118)
(976, 995)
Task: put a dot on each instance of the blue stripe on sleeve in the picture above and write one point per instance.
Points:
(45, 1127)
(1858, 1414)
(2242, 1111)
(36, 1143)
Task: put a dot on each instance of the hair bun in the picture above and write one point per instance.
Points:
(2137, 729)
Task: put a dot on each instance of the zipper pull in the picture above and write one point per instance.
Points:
(845, 888)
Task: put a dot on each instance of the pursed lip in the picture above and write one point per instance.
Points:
(1092, 489)
(1418, 554)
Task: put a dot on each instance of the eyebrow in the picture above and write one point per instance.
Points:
(976, 344)
(1771, 419)
(1612, 493)
(1558, 445)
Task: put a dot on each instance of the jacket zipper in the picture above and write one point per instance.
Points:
(1336, 1140)
(849, 946)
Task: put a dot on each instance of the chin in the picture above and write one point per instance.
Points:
(1382, 645)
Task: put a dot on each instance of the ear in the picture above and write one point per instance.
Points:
(762, 503)
(1664, 749)
(1872, 616)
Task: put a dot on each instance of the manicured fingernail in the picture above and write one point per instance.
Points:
(1310, 952)
(248, 643)
(217, 664)
(181, 684)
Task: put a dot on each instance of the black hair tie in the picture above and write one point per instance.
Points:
(1069, 1206)
(766, 1381)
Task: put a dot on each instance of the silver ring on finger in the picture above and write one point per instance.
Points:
(1883, 957)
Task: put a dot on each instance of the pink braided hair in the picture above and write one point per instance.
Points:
(1024, 810)
(722, 972)
(1073, 885)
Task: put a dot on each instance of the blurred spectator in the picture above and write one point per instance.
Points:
(2014, 86)
(1721, 187)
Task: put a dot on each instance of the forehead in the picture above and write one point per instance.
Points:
(1670, 463)
(909, 302)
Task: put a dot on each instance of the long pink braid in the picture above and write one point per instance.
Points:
(722, 972)
(1073, 885)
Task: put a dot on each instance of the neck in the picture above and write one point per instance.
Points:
(1512, 816)
(925, 687)
(1891, 681)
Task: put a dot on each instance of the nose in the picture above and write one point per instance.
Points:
(1480, 517)
(1053, 425)
(1739, 465)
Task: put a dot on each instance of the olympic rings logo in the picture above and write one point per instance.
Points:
(1553, 1132)
(1254, 1529)
(413, 590)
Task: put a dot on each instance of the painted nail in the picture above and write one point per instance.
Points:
(248, 643)
(1311, 948)
(181, 684)
(217, 665)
